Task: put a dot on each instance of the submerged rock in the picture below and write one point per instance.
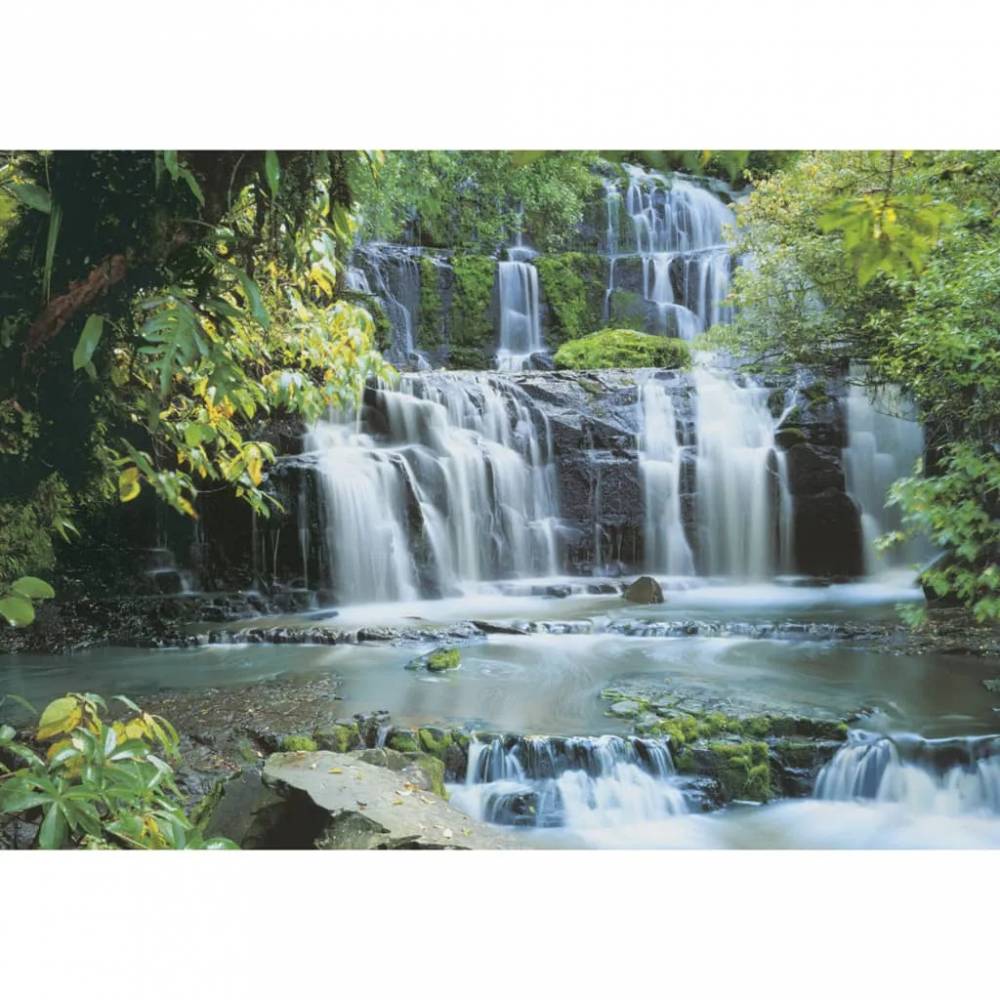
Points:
(645, 590)
(437, 661)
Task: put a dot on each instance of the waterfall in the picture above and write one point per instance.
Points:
(520, 322)
(743, 503)
(660, 456)
(575, 782)
(678, 231)
(948, 776)
(393, 275)
(446, 480)
(883, 445)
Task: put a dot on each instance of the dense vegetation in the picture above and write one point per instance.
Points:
(155, 311)
(892, 261)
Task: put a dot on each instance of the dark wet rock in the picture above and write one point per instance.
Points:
(645, 590)
(827, 534)
(497, 628)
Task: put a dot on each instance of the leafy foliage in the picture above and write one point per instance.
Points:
(892, 260)
(156, 309)
(99, 783)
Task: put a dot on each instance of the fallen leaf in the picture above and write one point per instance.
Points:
(336, 770)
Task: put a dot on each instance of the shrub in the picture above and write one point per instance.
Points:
(99, 783)
(623, 349)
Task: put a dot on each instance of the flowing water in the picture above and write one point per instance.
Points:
(458, 486)
(677, 229)
(884, 443)
(439, 503)
(520, 321)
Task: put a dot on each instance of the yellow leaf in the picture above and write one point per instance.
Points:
(128, 484)
(60, 716)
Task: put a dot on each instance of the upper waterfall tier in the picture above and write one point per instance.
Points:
(659, 262)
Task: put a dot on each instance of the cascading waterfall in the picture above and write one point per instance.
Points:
(677, 228)
(947, 776)
(575, 782)
(660, 456)
(883, 445)
(458, 486)
(392, 273)
(520, 320)
(743, 503)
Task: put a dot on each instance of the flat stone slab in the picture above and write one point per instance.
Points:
(374, 807)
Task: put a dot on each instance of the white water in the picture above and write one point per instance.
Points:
(883, 445)
(744, 507)
(678, 230)
(459, 487)
(949, 777)
(520, 322)
(666, 549)
(577, 782)
(393, 274)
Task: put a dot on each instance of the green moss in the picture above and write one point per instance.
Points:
(430, 332)
(298, 744)
(472, 341)
(403, 740)
(573, 286)
(433, 770)
(434, 741)
(340, 738)
(445, 658)
(623, 349)
(742, 770)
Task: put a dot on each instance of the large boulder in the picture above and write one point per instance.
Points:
(645, 590)
(371, 807)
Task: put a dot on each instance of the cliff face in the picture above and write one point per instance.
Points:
(593, 420)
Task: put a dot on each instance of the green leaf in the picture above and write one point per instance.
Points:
(89, 339)
(170, 162)
(60, 716)
(33, 588)
(18, 611)
(254, 300)
(272, 169)
(195, 187)
(32, 196)
(52, 834)
(55, 221)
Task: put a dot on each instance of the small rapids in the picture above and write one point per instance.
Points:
(574, 782)
(954, 777)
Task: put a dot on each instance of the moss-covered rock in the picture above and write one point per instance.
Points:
(403, 741)
(623, 349)
(433, 740)
(741, 768)
(340, 737)
(298, 744)
(430, 333)
(472, 337)
(437, 661)
(573, 286)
